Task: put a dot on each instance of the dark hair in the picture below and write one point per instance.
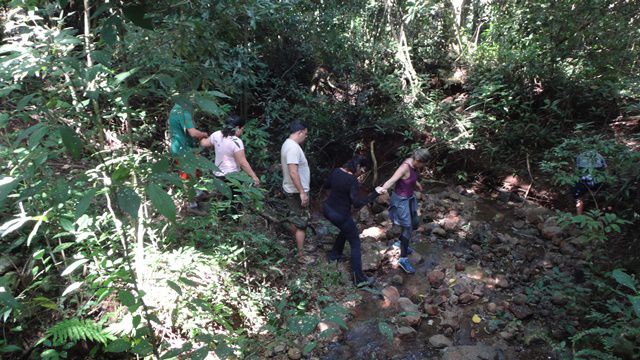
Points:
(356, 160)
(230, 125)
(296, 126)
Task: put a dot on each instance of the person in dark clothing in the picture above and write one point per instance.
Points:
(345, 193)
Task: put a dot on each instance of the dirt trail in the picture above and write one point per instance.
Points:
(477, 258)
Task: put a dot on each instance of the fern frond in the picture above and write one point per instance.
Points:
(590, 354)
(78, 330)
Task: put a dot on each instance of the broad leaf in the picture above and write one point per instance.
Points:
(126, 298)
(85, 202)
(7, 185)
(129, 201)
(635, 301)
(174, 286)
(309, 347)
(143, 348)
(136, 14)
(162, 201)
(209, 105)
(71, 142)
(386, 330)
(71, 288)
(624, 279)
(200, 354)
(118, 346)
(303, 325)
(73, 266)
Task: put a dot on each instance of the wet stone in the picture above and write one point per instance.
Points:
(440, 341)
(294, 353)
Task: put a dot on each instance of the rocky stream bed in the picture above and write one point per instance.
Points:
(488, 270)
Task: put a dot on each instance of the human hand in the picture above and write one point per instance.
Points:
(380, 190)
(256, 181)
(304, 199)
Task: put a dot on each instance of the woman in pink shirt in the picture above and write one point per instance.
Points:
(229, 149)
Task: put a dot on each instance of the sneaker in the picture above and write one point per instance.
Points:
(397, 245)
(196, 211)
(331, 257)
(366, 283)
(406, 266)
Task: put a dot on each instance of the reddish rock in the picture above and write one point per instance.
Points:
(431, 309)
(451, 221)
(435, 277)
(467, 298)
(460, 267)
(520, 311)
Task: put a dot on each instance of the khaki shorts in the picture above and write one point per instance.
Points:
(296, 214)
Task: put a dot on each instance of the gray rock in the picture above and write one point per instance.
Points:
(364, 215)
(439, 231)
(294, 353)
(469, 352)
(412, 316)
(279, 348)
(406, 331)
(440, 341)
(397, 280)
(450, 319)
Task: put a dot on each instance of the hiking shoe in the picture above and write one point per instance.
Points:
(196, 211)
(366, 283)
(406, 266)
(203, 195)
(397, 245)
(332, 257)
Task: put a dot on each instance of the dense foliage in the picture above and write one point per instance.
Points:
(95, 253)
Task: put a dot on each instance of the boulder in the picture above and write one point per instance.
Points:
(412, 316)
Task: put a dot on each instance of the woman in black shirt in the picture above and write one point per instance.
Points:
(343, 183)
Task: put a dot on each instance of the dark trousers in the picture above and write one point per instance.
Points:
(348, 232)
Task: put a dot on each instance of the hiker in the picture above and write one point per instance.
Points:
(403, 210)
(588, 164)
(184, 138)
(229, 149)
(296, 178)
(344, 193)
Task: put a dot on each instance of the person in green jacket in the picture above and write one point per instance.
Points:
(184, 138)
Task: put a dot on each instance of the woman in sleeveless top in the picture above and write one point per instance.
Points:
(403, 210)
(229, 149)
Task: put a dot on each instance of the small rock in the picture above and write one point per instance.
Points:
(467, 298)
(440, 341)
(294, 353)
(435, 277)
(559, 299)
(502, 282)
(451, 221)
(439, 231)
(406, 331)
(551, 232)
(397, 280)
(450, 319)
(431, 309)
(460, 289)
(412, 316)
(278, 348)
(479, 290)
(476, 249)
(491, 307)
(267, 353)
(390, 295)
(506, 335)
(520, 299)
(460, 267)
(520, 311)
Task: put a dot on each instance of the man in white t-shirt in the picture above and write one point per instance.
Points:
(296, 177)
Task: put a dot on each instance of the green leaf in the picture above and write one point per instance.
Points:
(7, 185)
(222, 187)
(218, 94)
(624, 279)
(123, 76)
(162, 201)
(189, 282)
(85, 202)
(635, 301)
(309, 347)
(7, 90)
(24, 102)
(136, 14)
(4, 120)
(9, 348)
(129, 201)
(200, 354)
(209, 105)
(126, 298)
(45, 303)
(303, 325)
(143, 348)
(175, 287)
(71, 288)
(37, 136)
(71, 142)
(73, 266)
(118, 346)
(386, 330)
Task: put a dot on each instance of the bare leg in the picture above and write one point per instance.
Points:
(579, 206)
(299, 235)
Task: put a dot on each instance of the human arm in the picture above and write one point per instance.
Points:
(241, 159)
(197, 134)
(206, 142)
(400, 172)
(359, 201)
(295, 178)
